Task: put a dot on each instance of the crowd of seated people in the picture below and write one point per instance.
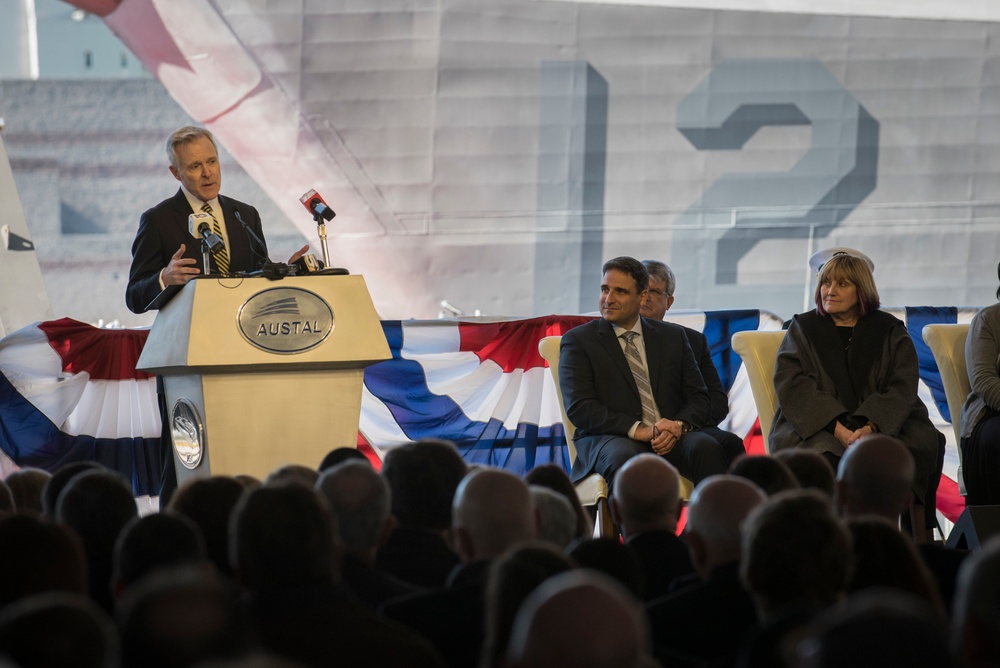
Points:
(429, 562)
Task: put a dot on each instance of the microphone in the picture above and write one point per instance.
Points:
(200, 227)
(316, 206)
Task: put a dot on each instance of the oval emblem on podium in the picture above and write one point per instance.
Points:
(187, 433)
(285, 320)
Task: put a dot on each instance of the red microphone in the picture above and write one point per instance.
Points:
(315, 205)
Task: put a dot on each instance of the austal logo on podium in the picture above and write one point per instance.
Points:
(285, 320)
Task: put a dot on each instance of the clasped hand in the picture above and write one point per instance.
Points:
(662, 436)
(848, 437)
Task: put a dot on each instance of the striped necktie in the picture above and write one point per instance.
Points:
(221, 256)
(641, 378)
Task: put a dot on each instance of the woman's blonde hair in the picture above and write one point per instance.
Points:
(855, 270)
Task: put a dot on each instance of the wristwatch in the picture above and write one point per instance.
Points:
(685, 427)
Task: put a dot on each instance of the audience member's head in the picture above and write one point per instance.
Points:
(768, 473)
(877, 628)
(209, 503)
(976, 619)
(154, 543)
(423, 477)
(247, 481)
(555, 478)
(57, 630)
(716, 511)
(341, 455)
(795, 552)
(660, 294)
(37, 556)
(360, 499)
(875, 477)
(180, 618)
(883, 557)
(492, 513)
(611, 557)
(59, 480)
(7, 506)
(811, 469)
(646, 496)
(283, 537)
(551, 627)
(97, 505)
(512, 577)
(556, 520)
(27, 486)
(293, 473)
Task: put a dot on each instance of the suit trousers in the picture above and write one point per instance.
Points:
(696, 455)
(732, 445)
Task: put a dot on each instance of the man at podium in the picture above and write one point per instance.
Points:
(166, 251)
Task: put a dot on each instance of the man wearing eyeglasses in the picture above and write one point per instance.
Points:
(659, 299)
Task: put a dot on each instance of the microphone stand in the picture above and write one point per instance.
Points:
(206, 254)
(321, 228)
(262, 259)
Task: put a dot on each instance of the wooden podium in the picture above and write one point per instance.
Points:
(260, 373)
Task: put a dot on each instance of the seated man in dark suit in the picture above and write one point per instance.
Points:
(875, 477)
(659, 299)
(493, 512)
(705, 622)
(646, 504)
(286, 559)
(632, 385)
(359, 498)
(422, 477)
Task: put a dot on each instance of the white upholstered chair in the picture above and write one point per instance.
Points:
(592, 490)
(947, 343)
(759, 351)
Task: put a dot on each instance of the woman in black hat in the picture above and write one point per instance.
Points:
(847, 370)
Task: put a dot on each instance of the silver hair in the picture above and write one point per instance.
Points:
(661, 271)
(360, 499)
(186, 135)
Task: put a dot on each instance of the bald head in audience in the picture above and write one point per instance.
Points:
(875, 477)
(551, 627)
(646, 496)
(716, 512)
(492, 512)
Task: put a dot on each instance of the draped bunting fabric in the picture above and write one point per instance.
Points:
(70, 392)
(485, 387)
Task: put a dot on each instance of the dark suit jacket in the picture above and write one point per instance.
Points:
(599, 390)
(321, 625)
(705, 622)
(164, 228)
(371, 586)
(417, 556)
(453, 618)
(664, 557)
(719, 408)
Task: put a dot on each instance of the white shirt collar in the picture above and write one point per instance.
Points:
(637, 328)
(196, 203)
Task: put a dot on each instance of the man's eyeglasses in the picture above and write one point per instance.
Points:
(659, 294)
